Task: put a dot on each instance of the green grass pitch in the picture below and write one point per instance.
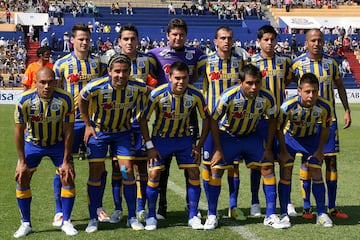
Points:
(175, 227)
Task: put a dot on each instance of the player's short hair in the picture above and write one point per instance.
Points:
(225, 28)
(80, 27)
(177, 23)
(266, 29)
(129, 27)
(309, 78)
(250, 70)
(119, 58)
(42, 50)
(178, 66)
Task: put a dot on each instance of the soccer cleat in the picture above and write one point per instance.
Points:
(324, 220)
(116, 216)
(285, 220)
(237, 214)
(92, 226)
(58, 219)
(307, 214)
(255, 210)
(102, 215)
(291, 210)
(135, 224)
(274, 222)
(151, 224)
(195, 223)
(211, 222)
(23, 230)
(141, 216)
(336, 213)
(68, 228)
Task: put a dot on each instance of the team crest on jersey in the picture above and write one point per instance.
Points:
(259, 103)
(326, 66)
(129, 92)
(188, 101)
(55, 105)
(235, 62)
(141, 63)
(316, 112)
(279, 60)
(93, 64)
(189, 55)
(239, 103)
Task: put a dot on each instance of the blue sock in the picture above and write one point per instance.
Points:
(234, 184)
(130, 196)
(194, 191)
(284, 194)
(255, 177)
(94, 190)
(331, 183)
(24, 197)
(318, 189)
(67, 199)
(141, 194)
(152, 192)
(116, 183)
(214, 190)
(305, 185)
(269, 185)
(103, 185)
(57, 193)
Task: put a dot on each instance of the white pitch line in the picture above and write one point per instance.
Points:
(243, 231)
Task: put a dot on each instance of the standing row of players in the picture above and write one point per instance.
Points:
(240, 101)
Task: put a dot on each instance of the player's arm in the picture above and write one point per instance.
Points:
(343, 97)
(22, 172)
(67, 168)
(84, 110)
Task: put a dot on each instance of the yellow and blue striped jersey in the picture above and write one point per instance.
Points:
(300, 121)
(220, 75)
(44, 118)
(326, 70)
(74, 74)
(173, 111)
(274, 71)
(111, 109)
(141, 67)
(239, 115)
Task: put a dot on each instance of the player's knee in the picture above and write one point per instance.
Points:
(193, 173)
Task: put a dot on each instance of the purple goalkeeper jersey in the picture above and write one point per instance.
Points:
(165, 56)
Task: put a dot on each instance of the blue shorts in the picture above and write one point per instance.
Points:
(208, 149)
(305, 145)
(34, 154)
(250, 147)
(119, 142)
(181, 147)
(79, 130)
(332, 146)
